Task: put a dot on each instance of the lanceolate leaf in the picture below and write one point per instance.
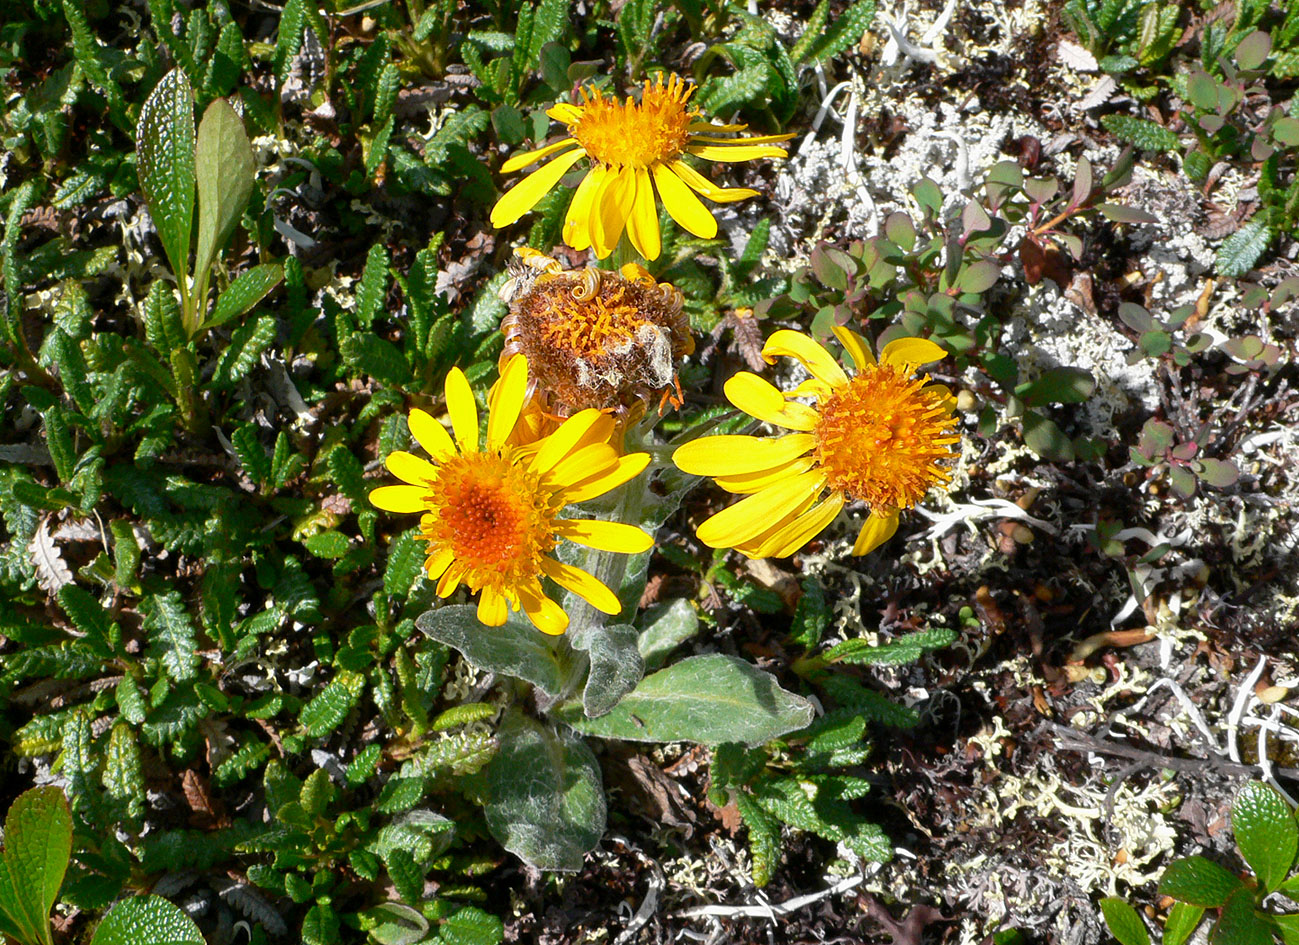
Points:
(245, 292)
(171, 634)
(225, 169)
(165, 159)
(1240, 251)
(707, 699)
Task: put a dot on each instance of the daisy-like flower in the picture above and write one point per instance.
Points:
(592, 337)
(880, 435)
(491, 515)
(635, 149)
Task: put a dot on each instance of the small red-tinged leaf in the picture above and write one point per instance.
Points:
(1040, 190)
(901, 230)
(1072, 243)
(1118, 213)
(1219, 473)
(1182, 480)
(1136, 317)
(1286, 131)
(1199, 881)
(1082, 183)
(978, 277)
(1033, 259)
(1203, 90)
(1253, 49)
(974, 219)
(1183, 452)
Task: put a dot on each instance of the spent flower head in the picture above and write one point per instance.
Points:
(592, 337)
(880, 435)
(636, 149)
(490, 513)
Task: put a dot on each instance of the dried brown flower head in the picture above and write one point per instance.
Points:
(593, 337)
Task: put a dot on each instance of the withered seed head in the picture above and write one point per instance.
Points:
(592, 337)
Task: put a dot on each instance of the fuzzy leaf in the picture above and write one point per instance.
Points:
(707, 699)
(516, 648)
(1240, 251)
(616, 665)
(664, 628)
(545, 801)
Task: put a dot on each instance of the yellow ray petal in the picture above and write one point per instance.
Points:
(524, 195)
(748, 483)
(682, 203)
(463, 409)
(794, 344)
(856, 347)
(545, 614)
(581, 465)
(736, 152)
(577, 223)
(643, 224)
(568, 114)
(753, 515)
(810, 387)
(627, 468)
(905, 352)
(410, 468)
(709, 126)
(493, 608)
(506, 400)
(599, 432)
(609, 209)
(450, 579)
(560, 443)
(437, 563)
(747, 139)
(604, 536)
(730, 455)
(431, 435)
(525, 158)
(802, 529)
(591, 589)
(879, 528)
(701, 184)
(399, 498)
(755, 397)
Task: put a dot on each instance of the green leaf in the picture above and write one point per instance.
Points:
(516, 648)
(1240, 923)
(381, 359)
(1287, 926)
(1198, 881)
(38, 845)
(1142, 132)
(707, 699)
(245, 292)
(171, 634)
(545, 801)
(225, 168)
(326, 711)
(764, 838)
(147, 920)
(846, 29)
(164, 140)
(1182, 920)
(162, 323)
(328, 544)
(664, 627)
(123, 774)
(288, 39)
(373, 287)
(1125, 925)
(1266, 833)
(616, 665)
(1045, 438)
(1240, 251)
(1059, 385)
(471, 926)
(246, 345)
(89, 616)
(905, 649)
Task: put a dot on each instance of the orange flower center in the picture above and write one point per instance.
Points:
(493, 515)
(652, 131)
(883, 437)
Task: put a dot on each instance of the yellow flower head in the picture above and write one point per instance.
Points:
(491, 516)
(635, 149)
(881, 436)
(594, 338)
